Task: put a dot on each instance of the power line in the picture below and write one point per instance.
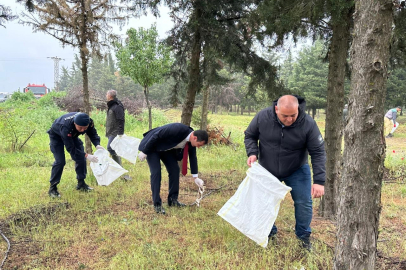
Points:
(56, 71)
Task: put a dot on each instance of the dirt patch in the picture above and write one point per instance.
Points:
(23, 250)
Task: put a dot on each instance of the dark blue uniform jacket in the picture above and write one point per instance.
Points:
(65, 128)
(166, 137)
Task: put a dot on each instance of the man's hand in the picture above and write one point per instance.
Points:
(317, 191)
(251, 159)
(142, 156)
(92, 158)
(99, 147)
(120, 135)
(199, 182)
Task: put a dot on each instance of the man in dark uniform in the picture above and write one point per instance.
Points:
(168, 143)
(64, 132)
(114, 124)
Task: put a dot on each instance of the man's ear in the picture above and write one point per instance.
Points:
(193, 137)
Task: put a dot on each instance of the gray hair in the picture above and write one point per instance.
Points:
(112, 93)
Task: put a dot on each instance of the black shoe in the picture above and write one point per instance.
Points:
(390, 135)
(306, 244)
(53, 193)
(273, 239)
(159, 209)
(172, 202)
(84, 187)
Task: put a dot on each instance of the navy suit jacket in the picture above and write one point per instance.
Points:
(167, 137)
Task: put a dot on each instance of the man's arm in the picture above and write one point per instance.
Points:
(315, 146)
(193, 160)
(394, 115)
(251, 138)
(92, 133)
(119, 113)
(69, 144)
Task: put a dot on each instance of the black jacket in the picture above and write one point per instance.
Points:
(281, 149)
(166, 137)
(64, 127)
(115, 118)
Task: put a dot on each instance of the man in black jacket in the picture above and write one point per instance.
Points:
(168, 143)
(115, 121)
(286, 136)
(64, 132)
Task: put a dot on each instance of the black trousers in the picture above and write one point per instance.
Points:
(170, 160)
(57, 148)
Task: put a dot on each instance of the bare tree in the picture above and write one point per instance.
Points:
(83, 24)
(364, 150)
(5, 15)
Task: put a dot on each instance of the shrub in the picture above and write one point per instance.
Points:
(22, 97)
(197, 117)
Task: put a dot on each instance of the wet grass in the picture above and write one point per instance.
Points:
(115, 227)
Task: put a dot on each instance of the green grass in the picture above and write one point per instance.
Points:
(115, 227)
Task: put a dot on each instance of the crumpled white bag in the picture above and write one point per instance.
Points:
(106, 170)
(126, 147)
(255, 205)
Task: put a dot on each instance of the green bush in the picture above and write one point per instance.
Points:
(22, 97)
(48, 100)
(197, 117)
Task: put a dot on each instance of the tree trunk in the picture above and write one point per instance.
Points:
(146, 92)
(194, 73)
(242, 109)
(334, 121)
(205, 108)
(84, 59)
(364, 150)
(314, 113)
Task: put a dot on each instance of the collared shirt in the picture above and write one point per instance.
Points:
(182, 145)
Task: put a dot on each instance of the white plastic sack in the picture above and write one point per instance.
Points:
(126, 147)
(255, 205)
(106, 170)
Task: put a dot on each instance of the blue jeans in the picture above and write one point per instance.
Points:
(301, 183)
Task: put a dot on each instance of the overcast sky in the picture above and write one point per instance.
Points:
(24, 54)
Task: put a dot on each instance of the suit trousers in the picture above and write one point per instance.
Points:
(57, 148)
(169, 159)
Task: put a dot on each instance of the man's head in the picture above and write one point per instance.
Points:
(287, 109)
(346, 106)
(81, 121)
(199, 138)
(111, 94)
(398, 108)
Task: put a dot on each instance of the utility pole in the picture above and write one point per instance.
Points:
(56, 71)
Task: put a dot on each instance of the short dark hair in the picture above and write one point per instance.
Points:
(399, 107)
(201, 135)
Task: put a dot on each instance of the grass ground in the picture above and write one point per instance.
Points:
(115, 227)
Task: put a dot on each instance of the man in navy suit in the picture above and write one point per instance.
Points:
(167, 143)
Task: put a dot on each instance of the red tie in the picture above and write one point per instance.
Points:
(185, 156)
